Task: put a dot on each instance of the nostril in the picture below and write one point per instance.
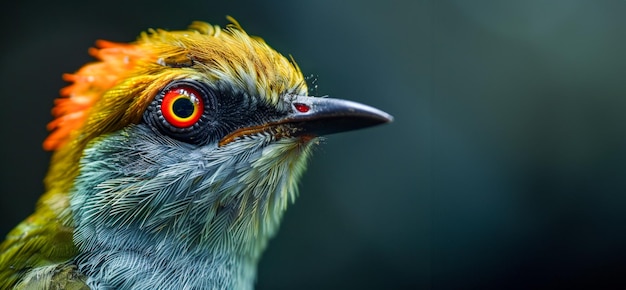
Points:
(302, 108)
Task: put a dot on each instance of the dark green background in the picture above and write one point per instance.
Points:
(504, 169)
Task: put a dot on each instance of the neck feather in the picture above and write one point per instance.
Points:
(150, 212)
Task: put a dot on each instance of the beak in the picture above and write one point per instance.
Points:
(322, 116)
(317, 116)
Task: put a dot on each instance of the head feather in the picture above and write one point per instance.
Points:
(113, 93)
(108, 95)
(229, 56)
(88, 85)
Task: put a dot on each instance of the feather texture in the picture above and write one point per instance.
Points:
(184, 208)
(187, 200)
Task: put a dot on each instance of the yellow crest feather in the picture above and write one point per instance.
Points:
(108, 95)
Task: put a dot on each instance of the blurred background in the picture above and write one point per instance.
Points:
(505, 167)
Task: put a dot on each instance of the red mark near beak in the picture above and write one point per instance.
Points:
(302, 108)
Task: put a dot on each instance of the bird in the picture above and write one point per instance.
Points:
(174, 159)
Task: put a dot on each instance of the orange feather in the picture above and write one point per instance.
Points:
(88, 85)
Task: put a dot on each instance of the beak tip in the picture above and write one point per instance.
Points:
(376, 116)
(387, 118)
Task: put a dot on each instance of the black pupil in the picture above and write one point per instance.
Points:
(183, 107)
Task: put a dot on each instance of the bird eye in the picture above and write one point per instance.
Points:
(182, 106)
(182, 110)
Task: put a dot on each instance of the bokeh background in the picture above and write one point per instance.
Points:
(505, 167)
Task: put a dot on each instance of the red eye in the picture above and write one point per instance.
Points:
(182, 106)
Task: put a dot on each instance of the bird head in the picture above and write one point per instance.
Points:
(195, 138)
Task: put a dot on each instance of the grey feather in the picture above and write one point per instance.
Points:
(152, 212)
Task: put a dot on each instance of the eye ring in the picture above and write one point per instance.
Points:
(182, 106)
(184, 110)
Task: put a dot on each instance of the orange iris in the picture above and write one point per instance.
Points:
(182, 106)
